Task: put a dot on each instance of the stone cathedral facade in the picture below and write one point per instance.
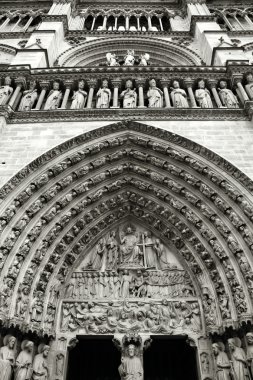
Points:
(126, 199)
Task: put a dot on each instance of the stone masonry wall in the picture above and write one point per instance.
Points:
(21, 143)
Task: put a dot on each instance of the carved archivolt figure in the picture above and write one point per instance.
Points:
(249, 86)
(54, 97)
(228, 99)
(178, 96)
(239, 359)
(112, 59)
(129, 58)
(40, 365)
(131, 367)
(222, 363)
(129, 95)
(155, 95)
(23, 370)
(249, 337)
(202, 95)
(7, 357)
(104, 96)
(144, 59)
(79, 97)
(29, 98)
(5, 91)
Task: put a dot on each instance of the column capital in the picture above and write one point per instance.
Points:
(116, 82)
(212, 83)
(92, 83)
(188, 82)
(44, 84)
(140, 82)
(164, 82)
(237, 78)
(20, 81)
(68, 83)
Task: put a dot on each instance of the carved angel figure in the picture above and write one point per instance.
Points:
(228, 99)
(144, 59)
(5, 91)
(79, 97)
(129, 58)
(112, 59)
(54, 97)
(29, 98)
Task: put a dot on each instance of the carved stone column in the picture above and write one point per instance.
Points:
(138, 24)
(20, 82)
(189, 82)
(68, 85)
(93, 23)
(116, 23)
(140, 84)
(44, 86)
(27, 24)
(149, 23)
(104, 22)
(92, 85)
(127, 23)
(212, 84)
(164, 84)
(161, 24)
(116, 84)
(237, 80)
(6, 22)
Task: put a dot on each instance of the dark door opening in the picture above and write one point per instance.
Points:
(170, 358)
(94, 358)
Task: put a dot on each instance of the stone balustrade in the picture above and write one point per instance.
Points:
(126, 91)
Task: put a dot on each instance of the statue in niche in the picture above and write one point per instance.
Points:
(79, 97)
(40, 364)
(249, 337)
(239, 359)
(59, 364)
(129, 58)
(144, 58)
(249, 85)
(112, 59)
(131, 367)
(29, 98)
(7, 357)
(129, 95)
(129, 249)
(202, 95)
(37, 307)
(104, 95)
(5, 91)
(22, 301)
(150, 254)
(222, 363)
(54, 97)
(228, 99)
(155, 95)
(112, 251)
(162, 256)
(178, 96)
(98, 259)
(23, 368)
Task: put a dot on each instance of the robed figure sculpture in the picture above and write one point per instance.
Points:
(131, 366)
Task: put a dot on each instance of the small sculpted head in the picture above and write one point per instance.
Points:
(11, 342)
(223, 84)
(231, 344)
(81, 85)
(56, 85)
(7, 81)
(45, 351)
(176, 84)
(129, 84)
(201, 83)
(29, 346)
(249, 78)
(131, 350)
(105, 83)
(249, 337)
(152, 83)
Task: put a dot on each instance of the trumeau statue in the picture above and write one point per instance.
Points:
(222, 363)
(5, 91)
(228, 99)
(29, 98)
(178, 96)
(155, 95)
(129, 58)
(23, 368)
(131, 366)
(104, 95)
(7, 357)
(79, 97)
(239, 359)
(54, 97)
(202, 95)
(112, 59)
(129, 95)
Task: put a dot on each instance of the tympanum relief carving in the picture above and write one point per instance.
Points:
(130, 281)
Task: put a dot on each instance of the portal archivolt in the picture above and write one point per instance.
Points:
(55, 211)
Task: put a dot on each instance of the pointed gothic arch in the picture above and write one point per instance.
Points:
(54, 211)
